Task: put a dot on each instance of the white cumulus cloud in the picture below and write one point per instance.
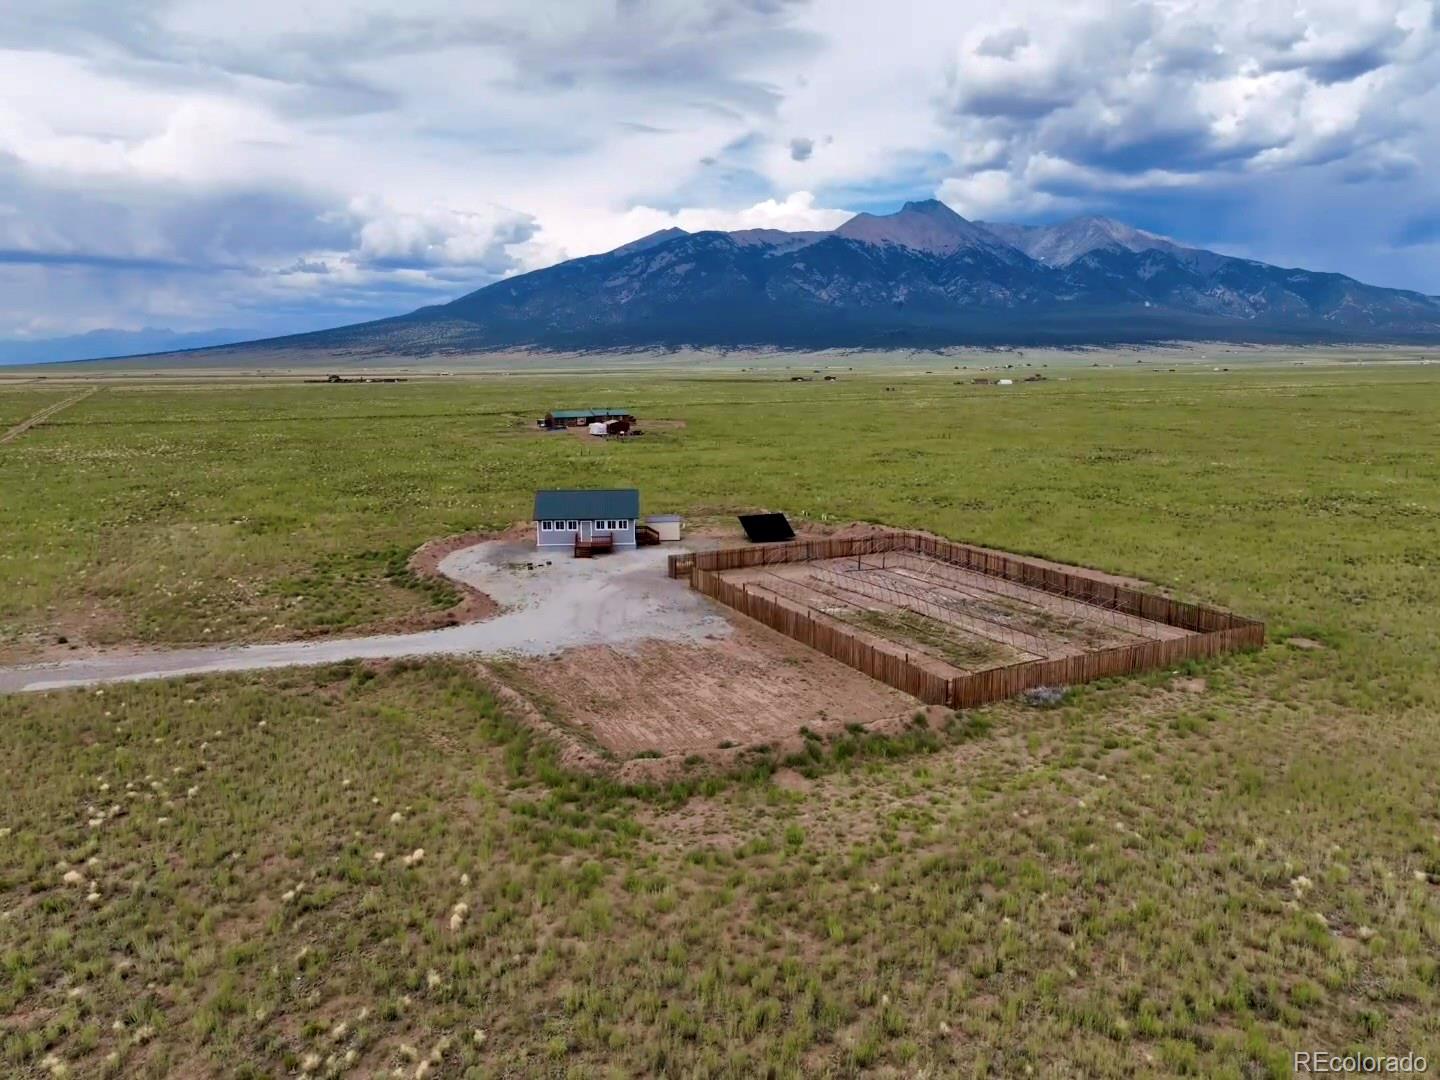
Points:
(285, 165)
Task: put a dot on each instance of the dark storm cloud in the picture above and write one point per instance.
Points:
(28, 257)
(165, 227)
(318, 72)
(1331, 57)
(1144, 143)
(1342, 66)
(106, 203)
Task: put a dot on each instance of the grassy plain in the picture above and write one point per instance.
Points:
(17, 403)
(1147, 880)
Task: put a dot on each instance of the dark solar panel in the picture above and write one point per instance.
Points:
(766, 528)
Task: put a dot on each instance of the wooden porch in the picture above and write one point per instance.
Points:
(597, 545)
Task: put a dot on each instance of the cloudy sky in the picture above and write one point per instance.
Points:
(288, 164)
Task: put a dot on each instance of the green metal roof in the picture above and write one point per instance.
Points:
(574, 414)
(588, 505)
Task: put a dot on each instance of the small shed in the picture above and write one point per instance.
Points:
(666, 526)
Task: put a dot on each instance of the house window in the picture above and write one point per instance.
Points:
(545, 526)
(572, 525)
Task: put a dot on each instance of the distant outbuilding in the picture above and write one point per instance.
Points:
(563, 418)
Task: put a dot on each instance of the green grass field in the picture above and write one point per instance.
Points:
(18, 402)
(1144, 881)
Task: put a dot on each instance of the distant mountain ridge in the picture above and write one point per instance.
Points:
(921, 277)
(1062, 244)
(929, 226)
(103, 344)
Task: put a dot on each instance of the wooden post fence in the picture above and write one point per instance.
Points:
(1211, 631)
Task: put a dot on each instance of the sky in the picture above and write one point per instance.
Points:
(282, 165)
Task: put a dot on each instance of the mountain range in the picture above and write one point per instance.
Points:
(919, 278)
(103, 344)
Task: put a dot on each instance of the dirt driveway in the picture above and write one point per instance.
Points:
(550, 604)
(638, 662)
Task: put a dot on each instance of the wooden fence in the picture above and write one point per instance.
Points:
(826, 637)
(1211, 631)
(791, 551)
(995, 684)
(1072, 584)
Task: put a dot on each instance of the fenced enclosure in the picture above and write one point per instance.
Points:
(953, 624)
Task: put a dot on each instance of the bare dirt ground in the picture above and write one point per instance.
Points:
(629, 664)
(614, 657)
(750, 686)
(68, 636)
(964, 620)
(474, 604)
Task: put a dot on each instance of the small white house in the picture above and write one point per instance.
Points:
(566, 519)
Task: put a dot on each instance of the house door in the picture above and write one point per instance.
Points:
(587, 530)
